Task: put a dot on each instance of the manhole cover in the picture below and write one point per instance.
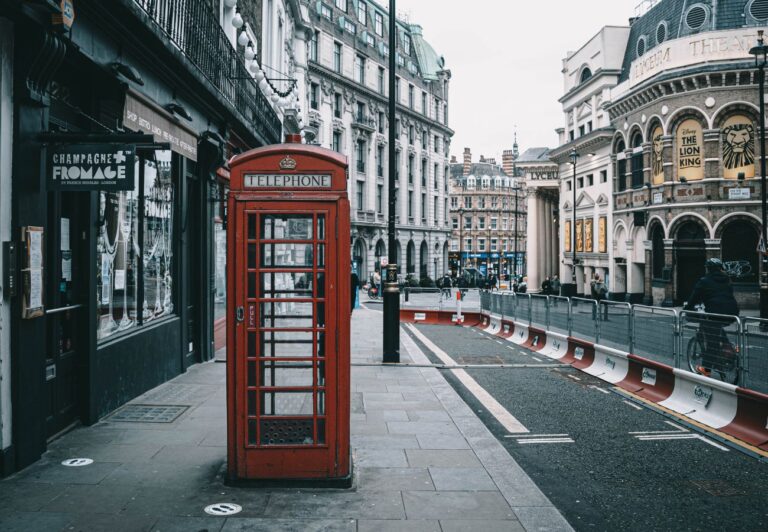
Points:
(77, 462)
(223, 508)
(148, 413)
(718, 488)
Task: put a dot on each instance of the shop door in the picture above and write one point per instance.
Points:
(286, 389)
(65, 313)
(194, 281)
(690, 256)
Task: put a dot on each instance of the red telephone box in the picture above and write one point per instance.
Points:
(288, 305)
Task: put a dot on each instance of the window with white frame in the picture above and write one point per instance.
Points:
(494, 244)
(494, 222)
(362, 13)
(314, 42)
(360, 69)
(467, 202)
(467, 244)
(455, 223)
(342, 4)
(481, 222)
(467, 222)
(454, 202)
(378, 24)
(337, 56)
(504, 224)
(480, 244)
(454, 245)
(326, 11)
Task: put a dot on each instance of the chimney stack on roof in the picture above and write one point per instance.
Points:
(482, 158)
(453, 159)
(467, 162)
(508, 161)
(491, 160)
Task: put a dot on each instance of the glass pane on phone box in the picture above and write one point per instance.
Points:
(320, 293)
(286, 227)
(321, 372)
(286, 315)
(297, 344)
(320, 403)
(321, 255)
(286, 403)
(287, 374)
(320, 345)
(286, 255)
(321, 227)
(282, 285)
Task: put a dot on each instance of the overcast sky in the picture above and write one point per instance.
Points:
(506, 57)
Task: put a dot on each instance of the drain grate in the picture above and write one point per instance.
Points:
(718, 488)
(223, 508)
(148, 413)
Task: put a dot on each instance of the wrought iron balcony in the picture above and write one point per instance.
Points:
(193, 29)
(364, 123)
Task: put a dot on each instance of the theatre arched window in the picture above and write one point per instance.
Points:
(689, 146)
(738, 147)
(657, 251)
(621, 166)
(739, 251)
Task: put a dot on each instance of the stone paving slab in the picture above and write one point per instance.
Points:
(423, 462)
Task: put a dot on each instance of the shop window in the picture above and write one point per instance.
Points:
(135, 285)
(690, 150)
(637, 161)
(738, 144)
(739, 251)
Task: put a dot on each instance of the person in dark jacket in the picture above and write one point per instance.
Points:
(715, 292)
(546, 287)
(355, 282)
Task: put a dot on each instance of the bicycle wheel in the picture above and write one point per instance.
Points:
(372, 293)
(695, 352)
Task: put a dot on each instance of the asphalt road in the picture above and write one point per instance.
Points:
(588, 461)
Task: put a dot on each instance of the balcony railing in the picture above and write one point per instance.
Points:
(365, 123)
(194, 29)
(361, 166)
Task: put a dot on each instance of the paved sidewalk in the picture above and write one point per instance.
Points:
(423, 462)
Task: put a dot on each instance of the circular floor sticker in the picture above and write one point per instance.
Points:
(223, 508)
(77, 462)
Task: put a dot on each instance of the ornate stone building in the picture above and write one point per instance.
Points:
(347, 94)
(488, 216)
(684, 150)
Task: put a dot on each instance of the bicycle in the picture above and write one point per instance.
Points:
(724, 366)
(373, 292)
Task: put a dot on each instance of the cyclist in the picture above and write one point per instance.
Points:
(715, 292)
(445, 286)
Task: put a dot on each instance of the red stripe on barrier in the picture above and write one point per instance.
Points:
(580, 354)
(751, 419)
(537, 339)
(648, 379)
(439, 317)
(507, 329)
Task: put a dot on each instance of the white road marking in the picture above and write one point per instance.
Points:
(676, 426)
(633, 405)
(507, 420)
(574, 377)
(499, 342)
(667, 436)
(553, 440)
(537, 359)
(599, 389)
(536, 436)
(713, 444)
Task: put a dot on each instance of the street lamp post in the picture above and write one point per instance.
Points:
(391, 288)
(761, 52)
(461, 239)
(517, 195)
(574, 159)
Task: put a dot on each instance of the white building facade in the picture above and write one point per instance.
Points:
(347, 92)
(589, 74)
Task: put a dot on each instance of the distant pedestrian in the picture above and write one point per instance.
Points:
(546, 287)
(599, 293)
(556, 285)
(522, 288)
(377, 282)
(355, 283)
(445, 286)
(463, 285)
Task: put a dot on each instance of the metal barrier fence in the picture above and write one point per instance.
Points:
(495, 302)
(710, 344)
(485, 301)
(443, 299)
(654, 333)
(559, 315)
(539, 310)
(755, 354)
(584, 319)
(615, 324)
(725, 348)
(523, 308)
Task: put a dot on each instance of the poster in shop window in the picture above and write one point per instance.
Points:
(602, 234)
(738, 141)
(690, 150)
(657, 164)
(568, 235)
(589, 235)
(579, 235)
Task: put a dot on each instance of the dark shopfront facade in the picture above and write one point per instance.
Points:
(127, 277)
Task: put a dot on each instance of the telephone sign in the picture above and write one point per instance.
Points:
(288, 363)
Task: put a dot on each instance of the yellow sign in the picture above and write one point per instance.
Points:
(738, 135)
(602, 240)
(589, 235)
(579, 235)
(657, 154)
(567, 235)
(690, 150)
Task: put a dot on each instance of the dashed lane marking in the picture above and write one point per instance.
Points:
(574, 377)
(633, 405)
(599, 389)
(552, 440)
(499, 342)
(532, 439)
(507, 420)
(537, 359)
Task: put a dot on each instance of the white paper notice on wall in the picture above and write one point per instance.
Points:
(64, 242)
(36, 288)
(119, 279)
(35, 250)
(66, 265)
